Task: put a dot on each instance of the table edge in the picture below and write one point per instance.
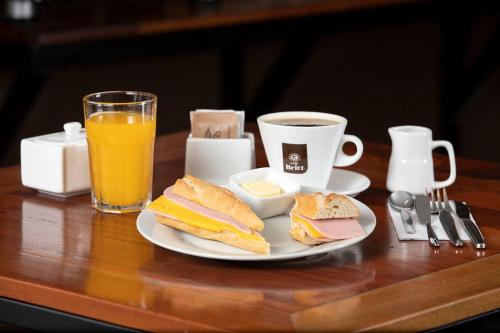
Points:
(429, 308)
(94, 308)
(432, 309)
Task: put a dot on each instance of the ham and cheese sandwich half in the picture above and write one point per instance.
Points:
(208, 211)
(317, 218)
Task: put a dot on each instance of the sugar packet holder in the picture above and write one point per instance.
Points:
(217, 124)
(215, 160)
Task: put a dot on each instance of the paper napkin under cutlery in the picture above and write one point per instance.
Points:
(421, 229)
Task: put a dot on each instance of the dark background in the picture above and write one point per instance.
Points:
(377, 67)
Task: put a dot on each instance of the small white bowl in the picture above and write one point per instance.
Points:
(265, 207)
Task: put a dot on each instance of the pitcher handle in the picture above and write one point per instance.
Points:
(345, 160)
(451, 156)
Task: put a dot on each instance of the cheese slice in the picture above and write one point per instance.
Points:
(311, 231)
(163, 205)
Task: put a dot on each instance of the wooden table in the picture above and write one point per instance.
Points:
(60, 254)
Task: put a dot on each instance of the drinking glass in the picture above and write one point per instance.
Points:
(120, 129)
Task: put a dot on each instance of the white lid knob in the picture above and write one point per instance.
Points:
(72, 128)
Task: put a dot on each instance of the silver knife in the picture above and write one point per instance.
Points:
(407, 221)
(423, 208)
(449, 227)
(463, 212)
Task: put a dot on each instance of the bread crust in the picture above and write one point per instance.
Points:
(319, 206)
(218, 199)
(258, 246)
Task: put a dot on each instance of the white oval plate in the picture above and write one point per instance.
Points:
(283, 247)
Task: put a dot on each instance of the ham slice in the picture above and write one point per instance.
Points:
(335, 229)
(186, 203)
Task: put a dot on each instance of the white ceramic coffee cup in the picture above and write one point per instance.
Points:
(307, 154)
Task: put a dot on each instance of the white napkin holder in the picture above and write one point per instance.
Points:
(215, 160)
(57, 164)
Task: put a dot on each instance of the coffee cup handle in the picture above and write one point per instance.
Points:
(345, 160)
(451, 155)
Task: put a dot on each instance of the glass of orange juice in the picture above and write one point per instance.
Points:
(120, 129)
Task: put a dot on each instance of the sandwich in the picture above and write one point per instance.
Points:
(208, 211)
(317, 218)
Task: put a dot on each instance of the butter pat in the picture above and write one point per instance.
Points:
(262, 188)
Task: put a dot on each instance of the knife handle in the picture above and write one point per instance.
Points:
(450, 228)
(474, 233)
(433, 240)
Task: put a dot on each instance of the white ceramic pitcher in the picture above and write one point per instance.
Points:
(410, 167)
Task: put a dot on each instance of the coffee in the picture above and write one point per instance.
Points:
(302, 122)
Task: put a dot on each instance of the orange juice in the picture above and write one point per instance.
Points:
(121, 156)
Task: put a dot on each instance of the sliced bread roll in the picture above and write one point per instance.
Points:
(257, 245)
(318, 206)
(218, 199)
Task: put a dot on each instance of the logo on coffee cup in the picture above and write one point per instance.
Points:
(294, 157)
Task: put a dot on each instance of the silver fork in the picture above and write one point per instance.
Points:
(443, 208)
(434, 207)
(424, 215)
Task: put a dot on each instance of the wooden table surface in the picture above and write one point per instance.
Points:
(61, 254)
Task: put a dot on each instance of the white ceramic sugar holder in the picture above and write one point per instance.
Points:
(57, 164)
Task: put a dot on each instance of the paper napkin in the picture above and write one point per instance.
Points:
(421, 229)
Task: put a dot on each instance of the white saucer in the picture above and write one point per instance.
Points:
(343, 182)
(283, 247)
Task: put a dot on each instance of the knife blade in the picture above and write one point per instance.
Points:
(423, 208)
(449, 227)
(463, 212)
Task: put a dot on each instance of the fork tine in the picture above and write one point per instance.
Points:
(438, 199)
(445, 197)
(433, 201)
